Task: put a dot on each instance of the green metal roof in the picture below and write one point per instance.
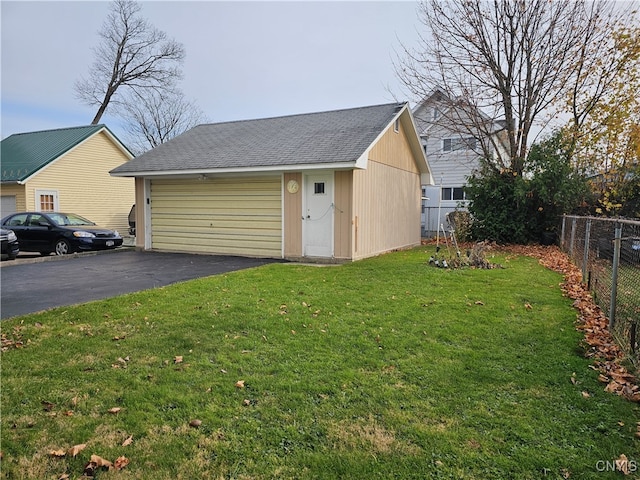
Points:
(23, 154)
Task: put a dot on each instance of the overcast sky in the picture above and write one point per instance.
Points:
(244, 60)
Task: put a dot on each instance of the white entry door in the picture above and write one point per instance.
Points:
(318, 215)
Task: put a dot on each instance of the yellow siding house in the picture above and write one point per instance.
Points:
(67, 170)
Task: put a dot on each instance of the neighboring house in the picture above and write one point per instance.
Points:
(335, 186)
(67, 170)
(452, 147)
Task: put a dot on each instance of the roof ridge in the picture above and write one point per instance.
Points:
(337, 110)
(99, 125)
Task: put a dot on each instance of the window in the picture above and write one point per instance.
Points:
(46, 200)
(46, 203)
(435, 114)
(453, 193)
(396, 125)
(452, 144)
(318, 188)
(36, 220)
(18, 220)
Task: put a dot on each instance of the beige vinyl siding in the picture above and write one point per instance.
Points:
(386, 210)
(140, 204)
(393, 149)
(343, 193)
(83, 184)
(19, 192)
(293, 218)
(386, 198)
(230, 216)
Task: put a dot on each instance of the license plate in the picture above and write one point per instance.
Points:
(109, 243)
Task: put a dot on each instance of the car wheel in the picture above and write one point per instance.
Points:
(62, 247)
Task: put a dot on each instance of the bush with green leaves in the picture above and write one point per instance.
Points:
(511, 208)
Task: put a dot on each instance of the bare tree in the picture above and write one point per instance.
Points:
(132, 55)
(510, 61)
(158, 117)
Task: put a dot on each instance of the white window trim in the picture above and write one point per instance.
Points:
(462, 144)
(56, 200)
(452, 188)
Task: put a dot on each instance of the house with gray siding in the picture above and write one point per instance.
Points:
(453, 148)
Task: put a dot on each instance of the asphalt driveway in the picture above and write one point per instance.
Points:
(32, 287)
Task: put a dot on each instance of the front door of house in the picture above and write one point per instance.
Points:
(318, 215)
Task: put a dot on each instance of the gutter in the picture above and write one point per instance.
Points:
(243, 170)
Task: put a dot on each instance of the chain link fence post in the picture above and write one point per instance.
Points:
(585, 254)
(573, 236)
(614, 276)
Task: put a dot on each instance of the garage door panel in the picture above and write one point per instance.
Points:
(225, 216)
(203, 245)
(222, 187)
(228, 206)
(202, 226)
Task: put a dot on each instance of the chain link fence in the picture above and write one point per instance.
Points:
(608, 252)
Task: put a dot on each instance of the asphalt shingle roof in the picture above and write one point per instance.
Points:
(23, 154)
(307, 139)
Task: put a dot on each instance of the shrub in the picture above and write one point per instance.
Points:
(511, 208)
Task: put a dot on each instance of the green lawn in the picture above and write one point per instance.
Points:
(384, 368)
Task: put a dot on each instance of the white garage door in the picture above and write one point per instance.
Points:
(231, 216)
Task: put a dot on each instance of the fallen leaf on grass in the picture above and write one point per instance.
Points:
(123, 360)
(64, 476)
(101, 462)
(128, 441)
(586, 395)
(478, 302)
(195, 423)
(240, 384)
(48, 406)
(76, 449)
(57, 453)
(528, 306)
(96, 463)
(114, 410)
(177, 359)
(622, 464)
(121, 462)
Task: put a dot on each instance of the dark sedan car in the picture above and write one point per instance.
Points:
(10, 246)
(61, 233)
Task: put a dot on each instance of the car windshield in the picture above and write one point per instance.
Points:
(70, 219)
